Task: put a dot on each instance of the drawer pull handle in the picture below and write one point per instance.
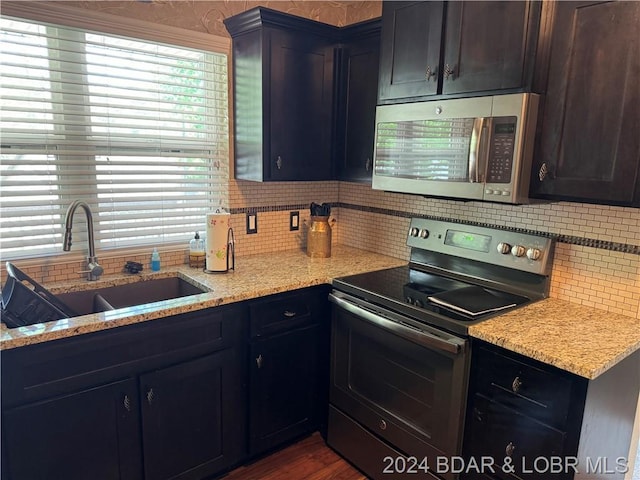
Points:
(383, 425)
(509, 449)
(259, 361)
(516, 385)
(289, 314)
(150, 396)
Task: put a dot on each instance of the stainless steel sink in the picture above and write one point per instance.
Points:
(128, 295)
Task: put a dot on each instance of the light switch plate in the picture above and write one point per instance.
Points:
(252, 223)
(294, 221)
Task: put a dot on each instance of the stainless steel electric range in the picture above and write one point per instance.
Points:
(400, 351)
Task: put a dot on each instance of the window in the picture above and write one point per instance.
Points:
(138, 130)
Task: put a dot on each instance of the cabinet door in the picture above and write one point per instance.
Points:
(92, 434)
(283, 388)
(192, 417)
(410, 49)
(488, 45)
(589, 148)
(511, 439)
(300, 108)
(357, 109)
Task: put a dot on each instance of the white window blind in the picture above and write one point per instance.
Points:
(138, 130)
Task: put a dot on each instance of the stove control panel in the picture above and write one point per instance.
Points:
(507, 248)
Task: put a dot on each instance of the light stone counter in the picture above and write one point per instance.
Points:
(254, 276)
(579, 339)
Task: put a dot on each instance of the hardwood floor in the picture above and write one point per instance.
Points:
(309, 459)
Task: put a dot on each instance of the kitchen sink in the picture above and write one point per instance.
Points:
(128, 295)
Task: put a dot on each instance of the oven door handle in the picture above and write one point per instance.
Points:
(451, 345)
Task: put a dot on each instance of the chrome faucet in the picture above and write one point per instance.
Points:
(94, 270)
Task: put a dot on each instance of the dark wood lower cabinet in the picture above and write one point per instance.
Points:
(167, 399)
(91, 434)
(529, 420)
(283, 400)
(190, 417)
(288, 367)
(157, 400)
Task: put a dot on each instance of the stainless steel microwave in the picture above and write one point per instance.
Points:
(477, 148)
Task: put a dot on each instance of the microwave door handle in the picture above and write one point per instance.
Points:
(475, 148)
(484, 150)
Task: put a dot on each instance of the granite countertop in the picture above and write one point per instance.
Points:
(254, 276)
(575, 338)
(579, 339)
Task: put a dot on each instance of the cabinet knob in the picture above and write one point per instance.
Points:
(367, 164)
(429, 73)
(516, 384)
(509, 449)
(382, 425)
(126, 401)
(279, 162)
(259, 361)
(543, 172)
(479, 415)
(150, 396)
(448, 72)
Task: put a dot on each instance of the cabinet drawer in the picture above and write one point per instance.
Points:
(56, 367)
(496, 431)
(538, 393)
(278, 313)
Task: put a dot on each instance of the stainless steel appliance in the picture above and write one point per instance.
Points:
(400, 351)
(477, 148)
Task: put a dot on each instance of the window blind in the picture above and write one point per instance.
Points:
(138, 130)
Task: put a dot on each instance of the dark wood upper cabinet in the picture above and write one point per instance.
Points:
(410, 49)
(589, 138)
(489, 45)
(283, 73)
(432, 48)
(356, 97)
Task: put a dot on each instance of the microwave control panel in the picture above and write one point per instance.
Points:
(501, 147)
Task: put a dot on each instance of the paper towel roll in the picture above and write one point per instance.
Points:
(218, 225)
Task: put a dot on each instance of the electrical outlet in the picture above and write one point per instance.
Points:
(294, 221)
(252, 223)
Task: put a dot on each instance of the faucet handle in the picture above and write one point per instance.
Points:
(94, 269)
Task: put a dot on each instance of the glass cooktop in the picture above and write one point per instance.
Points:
(430, 298)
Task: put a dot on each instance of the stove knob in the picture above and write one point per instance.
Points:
(413, 231)
(410, 300)
(418, 303)
(518, 251)
(424, 233)
(533, 254)
(504, 248)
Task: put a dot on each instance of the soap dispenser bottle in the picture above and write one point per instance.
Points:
(196, 252)
(155, 260)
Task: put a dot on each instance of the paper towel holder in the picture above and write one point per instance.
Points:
(231, 254)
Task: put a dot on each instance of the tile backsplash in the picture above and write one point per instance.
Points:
(597, 258)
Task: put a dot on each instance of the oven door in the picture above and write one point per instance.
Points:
(404, 382)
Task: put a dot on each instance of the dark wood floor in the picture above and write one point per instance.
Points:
(309, 459)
